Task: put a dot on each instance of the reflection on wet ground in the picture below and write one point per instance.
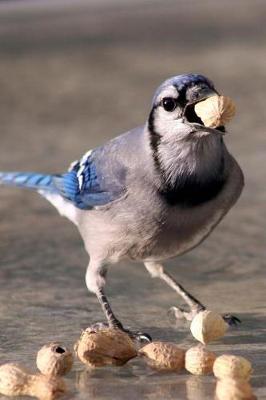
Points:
(139, 382)
(69, 81)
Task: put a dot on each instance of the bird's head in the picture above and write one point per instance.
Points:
(173, 105)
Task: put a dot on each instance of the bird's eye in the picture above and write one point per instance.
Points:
(169, 104)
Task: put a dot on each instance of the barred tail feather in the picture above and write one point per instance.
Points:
(28, 180)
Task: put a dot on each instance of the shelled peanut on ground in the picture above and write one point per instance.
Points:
(199, 360)
(16, 380)
(163, 356)
(53, 359)
(104, 347)
(207, 326)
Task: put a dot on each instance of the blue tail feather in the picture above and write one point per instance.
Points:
(28, 180)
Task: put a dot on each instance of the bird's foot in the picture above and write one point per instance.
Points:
(98, 326)
(140, 337)
(134, 335)
(180, 313)
(231, 320)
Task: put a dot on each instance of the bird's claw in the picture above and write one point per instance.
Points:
(98, 326)
(231, 320)
(179, 313)
(134, 335)
(139, 336)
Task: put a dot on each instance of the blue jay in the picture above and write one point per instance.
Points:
(150, 194)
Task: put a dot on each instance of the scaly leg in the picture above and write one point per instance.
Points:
(157, 271)
(95, 282)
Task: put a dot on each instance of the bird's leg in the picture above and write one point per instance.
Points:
(112, 321)
(95, 282)
(156, 270)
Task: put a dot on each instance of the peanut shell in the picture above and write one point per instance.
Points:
(54, 360)
(164, 356)
(207, 326)
(104, 347)
(215, 111)
(199, 360)
(16, 380)
(13, 378)
(230, 366)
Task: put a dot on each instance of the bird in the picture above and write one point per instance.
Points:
(147, 195)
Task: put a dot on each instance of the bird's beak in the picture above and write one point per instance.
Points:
(191, 118)
(205, 93)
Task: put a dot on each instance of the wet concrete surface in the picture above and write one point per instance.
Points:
(72, 77)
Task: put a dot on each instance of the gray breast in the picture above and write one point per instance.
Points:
(144, 226)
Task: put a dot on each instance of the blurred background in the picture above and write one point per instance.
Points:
(74, 74)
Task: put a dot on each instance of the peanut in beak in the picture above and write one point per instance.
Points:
(215, 111)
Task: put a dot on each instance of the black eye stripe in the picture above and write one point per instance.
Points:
(182, 97)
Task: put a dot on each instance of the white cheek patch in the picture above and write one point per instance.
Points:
(169, 127)
(167, 122)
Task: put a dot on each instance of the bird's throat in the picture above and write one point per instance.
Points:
(191, 173)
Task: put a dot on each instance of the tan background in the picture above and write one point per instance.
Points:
(72, 75)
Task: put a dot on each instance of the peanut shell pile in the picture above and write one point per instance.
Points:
(108, 346)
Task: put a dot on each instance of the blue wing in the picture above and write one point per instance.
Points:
(90, 182)
(86, 186)
(100, 177)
